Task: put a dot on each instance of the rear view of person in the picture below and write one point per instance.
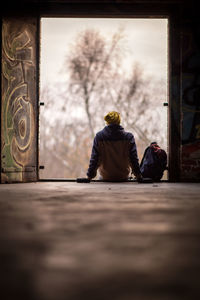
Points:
(114, 152)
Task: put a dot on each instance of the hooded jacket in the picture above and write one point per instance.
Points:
(114, 153)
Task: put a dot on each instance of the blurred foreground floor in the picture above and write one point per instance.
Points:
(100, 241)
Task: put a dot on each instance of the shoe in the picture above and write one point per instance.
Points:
(83, 180)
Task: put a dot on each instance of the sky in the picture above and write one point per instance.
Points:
(145, 41)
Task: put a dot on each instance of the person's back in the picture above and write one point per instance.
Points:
(114, 152)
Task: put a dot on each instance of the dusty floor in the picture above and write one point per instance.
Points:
(96, 241)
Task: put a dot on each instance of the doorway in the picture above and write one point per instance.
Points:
(90, 66)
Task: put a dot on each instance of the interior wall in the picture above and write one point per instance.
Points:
(19, 100)
(190, 148)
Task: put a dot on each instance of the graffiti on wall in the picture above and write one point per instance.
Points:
(18, 128)
(191, 104)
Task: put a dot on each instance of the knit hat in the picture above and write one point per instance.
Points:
(112, 117)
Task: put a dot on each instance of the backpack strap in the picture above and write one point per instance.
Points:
(144, 155)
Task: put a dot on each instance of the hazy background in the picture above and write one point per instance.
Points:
(63, 120)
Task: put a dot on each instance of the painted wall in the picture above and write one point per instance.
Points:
(190, 152)
(19, 103)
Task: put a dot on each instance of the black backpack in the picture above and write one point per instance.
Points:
(154, 162)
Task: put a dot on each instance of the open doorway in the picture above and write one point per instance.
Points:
(90, 66)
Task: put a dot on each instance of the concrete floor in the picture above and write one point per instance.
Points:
(100, 241)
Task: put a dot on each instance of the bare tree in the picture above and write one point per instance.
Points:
(130, 97)
(91, 63)
(97, 83)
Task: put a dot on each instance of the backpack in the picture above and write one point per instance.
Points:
(154, 162)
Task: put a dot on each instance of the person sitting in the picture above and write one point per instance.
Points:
(114, 152)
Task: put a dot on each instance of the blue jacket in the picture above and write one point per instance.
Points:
(114, 153)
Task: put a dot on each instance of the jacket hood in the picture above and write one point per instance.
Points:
(114, 127)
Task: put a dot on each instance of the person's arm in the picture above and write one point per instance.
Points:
(94, 159)
(134, 159)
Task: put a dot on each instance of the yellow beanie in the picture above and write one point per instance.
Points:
(112, 117)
